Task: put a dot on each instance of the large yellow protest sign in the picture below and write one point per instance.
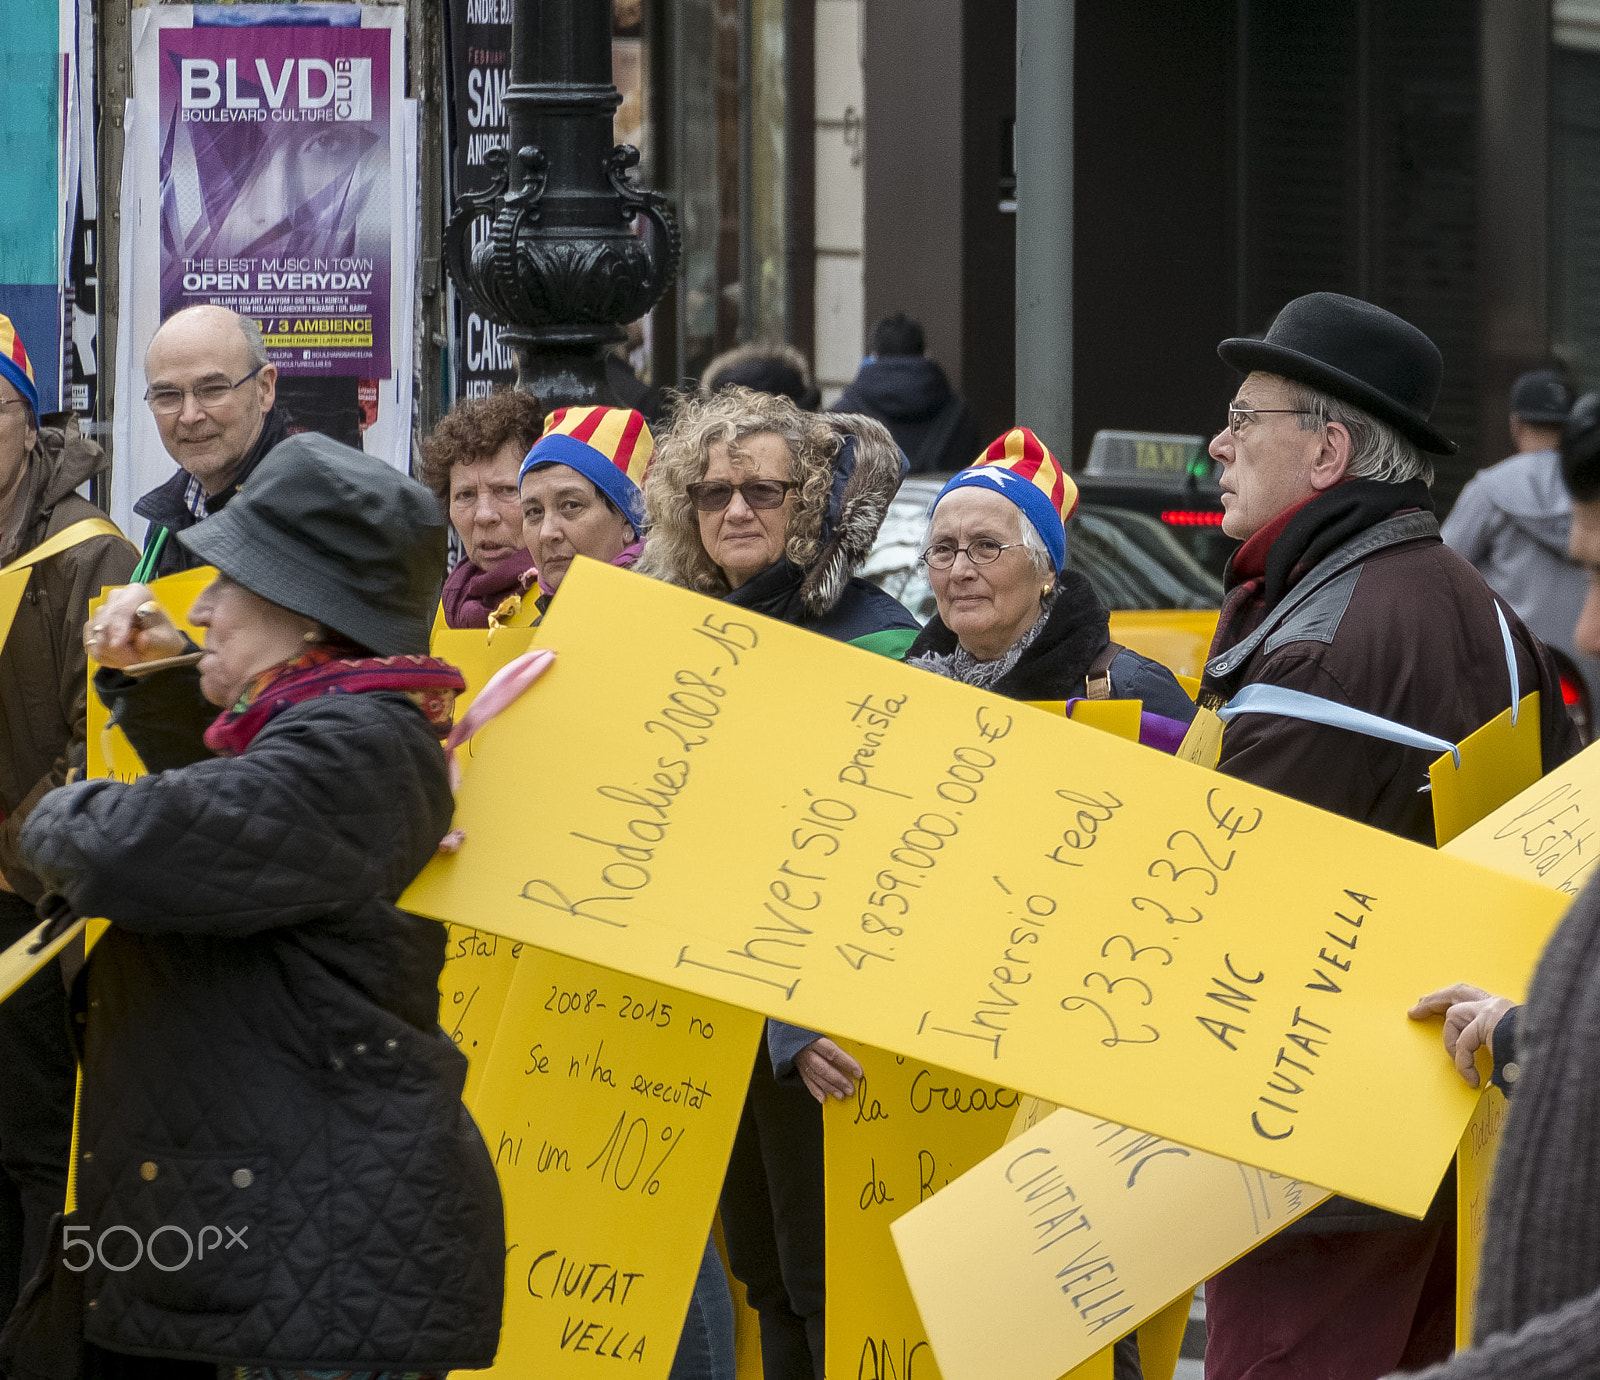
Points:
(1496, 762)
(1072, 1233)
(910, 1129)
(610, 1106)
(738, 808)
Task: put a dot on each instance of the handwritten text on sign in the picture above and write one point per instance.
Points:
(1070, 1235)
(610, 1106)
(909, 1131)
(777, 820)
(1550, 833)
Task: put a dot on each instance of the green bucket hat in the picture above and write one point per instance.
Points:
(334, 534)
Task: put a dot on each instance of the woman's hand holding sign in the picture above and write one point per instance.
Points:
(131, 628)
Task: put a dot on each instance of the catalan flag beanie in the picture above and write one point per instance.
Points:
(1020, 466)
(611, 447)
(15, 365)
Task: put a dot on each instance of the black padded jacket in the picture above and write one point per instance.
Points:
(263, 1071)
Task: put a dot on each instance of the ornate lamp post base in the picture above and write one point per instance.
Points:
(561, 268)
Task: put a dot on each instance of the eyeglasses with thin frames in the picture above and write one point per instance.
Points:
(168, 401)
(1238, 416)
(13, 402)
(983, 551)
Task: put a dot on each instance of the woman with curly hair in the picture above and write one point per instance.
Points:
(471, 463)
(755, 502)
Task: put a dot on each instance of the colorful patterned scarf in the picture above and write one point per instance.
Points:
(432, 685)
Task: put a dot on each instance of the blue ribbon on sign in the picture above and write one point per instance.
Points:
(1297, 704)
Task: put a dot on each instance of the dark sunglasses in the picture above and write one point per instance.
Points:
(757, 493)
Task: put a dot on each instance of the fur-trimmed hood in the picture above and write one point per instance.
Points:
(867, 472)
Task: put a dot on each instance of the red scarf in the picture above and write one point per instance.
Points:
(1242, 609)
(431, 684)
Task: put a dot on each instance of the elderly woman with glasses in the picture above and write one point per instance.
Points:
(755, 502)
(1012, 618)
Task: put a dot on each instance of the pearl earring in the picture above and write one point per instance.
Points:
(312, 635)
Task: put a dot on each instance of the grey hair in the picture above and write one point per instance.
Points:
(254, 345)
(1029, 536)
(1377, 450)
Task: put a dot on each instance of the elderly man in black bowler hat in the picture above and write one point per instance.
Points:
(1344, 590)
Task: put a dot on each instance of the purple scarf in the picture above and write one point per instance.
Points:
(472, 593)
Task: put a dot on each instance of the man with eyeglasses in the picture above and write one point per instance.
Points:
(1344, 591)
(213, 394)
(43, 707)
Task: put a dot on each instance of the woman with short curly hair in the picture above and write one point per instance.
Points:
(471, 462)
(755, 502)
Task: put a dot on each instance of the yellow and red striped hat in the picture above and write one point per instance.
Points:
(611, 447)
(15, 364)
(1020, 466)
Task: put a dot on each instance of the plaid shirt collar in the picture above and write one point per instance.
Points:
(194, 499)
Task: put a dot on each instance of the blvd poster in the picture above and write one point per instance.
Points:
(276, 152)
(271, 167)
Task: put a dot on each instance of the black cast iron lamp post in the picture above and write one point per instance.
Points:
(561, 270)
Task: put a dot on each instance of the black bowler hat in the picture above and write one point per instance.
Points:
(1541, 395)
(336, 535)
(1356, 352)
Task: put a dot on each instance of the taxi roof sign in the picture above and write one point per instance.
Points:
(1159, 459)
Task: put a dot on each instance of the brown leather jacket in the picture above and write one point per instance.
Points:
(1393, 622)
(43, 676)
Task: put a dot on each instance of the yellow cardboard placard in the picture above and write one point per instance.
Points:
(14, 576)
(17, 965)
(478, 967)
(109, 751)
(1161, 1339)
(1161, 1336)
(13, 583)
(1070, 1234)
(1498, 762)
(1202, 744)
(1474, 1174)
(1120, 717)
(1109, 716)
(610, 1106)
(1548, 833)
(910, 1129)
(777, 820)
(473, 986)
